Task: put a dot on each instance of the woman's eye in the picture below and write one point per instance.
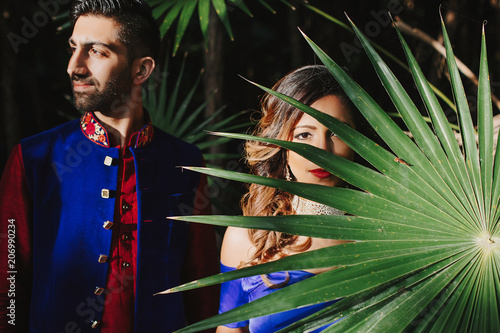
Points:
(333, 135)
(303, 136)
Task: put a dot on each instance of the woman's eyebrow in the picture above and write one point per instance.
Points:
(312, 127)
(305, 126)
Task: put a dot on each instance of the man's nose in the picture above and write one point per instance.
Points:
(77, 64)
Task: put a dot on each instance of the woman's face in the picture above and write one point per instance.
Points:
(309, 130)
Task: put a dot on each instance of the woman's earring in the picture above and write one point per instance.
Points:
(287, 173)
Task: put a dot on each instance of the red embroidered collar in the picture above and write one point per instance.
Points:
(95, 132)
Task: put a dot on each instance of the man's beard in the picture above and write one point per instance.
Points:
(108, 101)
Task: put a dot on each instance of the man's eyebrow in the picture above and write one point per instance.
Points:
(90, 43)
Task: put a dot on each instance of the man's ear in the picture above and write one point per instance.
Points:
(142, 69)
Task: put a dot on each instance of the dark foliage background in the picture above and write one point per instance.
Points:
(35, 90)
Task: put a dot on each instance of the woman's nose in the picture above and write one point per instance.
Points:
(326, 143)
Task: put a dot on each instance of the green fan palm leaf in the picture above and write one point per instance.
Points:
(467, 128)
(383, 160)
(398, 313)
(422, 171)
(485, 130)
(348, 280)
(335, 227)
(350, 306)
(423, 135)
(424, 250)
(391, 56)
(356, 174)
(351, 201)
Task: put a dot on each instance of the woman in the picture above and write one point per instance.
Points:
(313, 86)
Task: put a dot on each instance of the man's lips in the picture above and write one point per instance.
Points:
(81, 86)
(320, 173)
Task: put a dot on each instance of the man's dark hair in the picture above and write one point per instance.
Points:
(139, 31)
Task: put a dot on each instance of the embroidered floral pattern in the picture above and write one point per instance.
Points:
(95, 132)
(145, 136)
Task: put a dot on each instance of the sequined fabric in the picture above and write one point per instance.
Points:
(307, 207)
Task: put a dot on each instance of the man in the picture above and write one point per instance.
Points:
(85, 238)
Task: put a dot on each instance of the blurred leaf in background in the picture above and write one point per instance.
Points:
(170, 105)
(170, 10)
(171, 110)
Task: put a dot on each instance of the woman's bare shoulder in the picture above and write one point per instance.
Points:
(236, 246)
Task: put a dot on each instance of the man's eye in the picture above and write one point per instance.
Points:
(71, 49)
(95, 51)
(333, 135)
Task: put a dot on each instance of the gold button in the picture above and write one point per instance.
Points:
(95, 324)
(125, 264)
(98, 290)
(105, 193)
(103, 258)
(108, 160)
(107, 225)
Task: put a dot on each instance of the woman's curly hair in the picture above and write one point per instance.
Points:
(278, 119)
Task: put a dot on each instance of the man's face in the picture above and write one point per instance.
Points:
(99, 70)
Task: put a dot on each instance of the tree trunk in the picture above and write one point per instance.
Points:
(213, 86)
(295, 38)
(214, 70)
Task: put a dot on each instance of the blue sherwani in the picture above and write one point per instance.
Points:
(73, 181)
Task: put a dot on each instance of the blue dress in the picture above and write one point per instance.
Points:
(238, 292)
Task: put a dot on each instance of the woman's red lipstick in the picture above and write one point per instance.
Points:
(320, 173)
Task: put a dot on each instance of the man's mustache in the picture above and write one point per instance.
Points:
(82, 79)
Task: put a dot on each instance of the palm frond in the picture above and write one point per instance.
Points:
(424, 234)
